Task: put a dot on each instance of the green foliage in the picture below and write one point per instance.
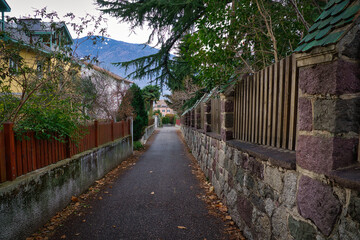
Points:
(151, 93)
(165, 120)
(157, 112)
(89, 93)
(218, 39)
(169, 20)
(60, 116)
(171, 118)
(138, 146)
(140, 114)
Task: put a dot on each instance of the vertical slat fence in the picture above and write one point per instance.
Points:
(266, 106)
(19, 156)
(215, 115)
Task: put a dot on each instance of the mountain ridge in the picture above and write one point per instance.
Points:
(112, 51)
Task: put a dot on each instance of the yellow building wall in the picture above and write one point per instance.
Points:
(30, 59)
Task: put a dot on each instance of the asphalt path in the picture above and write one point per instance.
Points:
(155, 199)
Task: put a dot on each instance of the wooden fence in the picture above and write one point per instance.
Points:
(266, 106)
(20, 156)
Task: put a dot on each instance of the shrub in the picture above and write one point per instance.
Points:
(171, 118)
(138, 146)
(165, 120)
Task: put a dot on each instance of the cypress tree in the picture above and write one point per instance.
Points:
(140, 114)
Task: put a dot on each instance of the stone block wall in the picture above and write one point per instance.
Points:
(268, 198)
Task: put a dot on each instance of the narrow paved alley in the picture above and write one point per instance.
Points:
(156, 199)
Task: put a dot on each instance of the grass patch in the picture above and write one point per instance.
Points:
(138, 146)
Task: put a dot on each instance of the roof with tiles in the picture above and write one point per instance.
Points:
(111, 74)
(331, 25)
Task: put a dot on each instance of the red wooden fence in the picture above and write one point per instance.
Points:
(20, 156)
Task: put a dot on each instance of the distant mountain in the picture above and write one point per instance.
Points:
(112, 51)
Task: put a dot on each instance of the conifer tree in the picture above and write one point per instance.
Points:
(215, 40)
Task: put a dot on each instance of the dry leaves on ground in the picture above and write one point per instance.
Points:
(214, 204)
(79, 204)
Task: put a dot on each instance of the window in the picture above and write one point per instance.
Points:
(158, 106)
(168, 110)
(163, 110)
(39, 69)
(13, 67)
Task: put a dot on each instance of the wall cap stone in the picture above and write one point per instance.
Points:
(277, 157)
(349, 177)
(316, 56)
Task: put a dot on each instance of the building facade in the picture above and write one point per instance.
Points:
(163, 108)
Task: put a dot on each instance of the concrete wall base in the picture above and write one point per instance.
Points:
(32, 199)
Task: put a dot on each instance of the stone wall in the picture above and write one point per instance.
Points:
(32, 199)
(268, 197)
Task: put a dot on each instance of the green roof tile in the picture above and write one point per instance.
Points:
(323, 32)
(299, 48)
(327, 13)
(332, 38)
(310, 36)
(309, 46)
(344, 22)
(325, 23)
(313, 27)
(322, 16)
(338, 8)
(330, 4)
(351, 11)
(336, 19)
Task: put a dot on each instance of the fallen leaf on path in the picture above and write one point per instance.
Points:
(77, 234)
(223, 209)
(63, 237)
(114, 226)
(181, 227)
(228, 218)
(100, 198)
(151, 171)
(106, 192)
(152, 193)
(74, 199)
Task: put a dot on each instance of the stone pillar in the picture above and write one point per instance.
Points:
(227, 115)
(328, 126)
(329, 114)
(207, 116)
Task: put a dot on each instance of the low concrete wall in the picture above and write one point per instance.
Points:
(268, 197)
(32, 199)
(148, 131)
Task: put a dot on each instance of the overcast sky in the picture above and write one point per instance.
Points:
(79, 8)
